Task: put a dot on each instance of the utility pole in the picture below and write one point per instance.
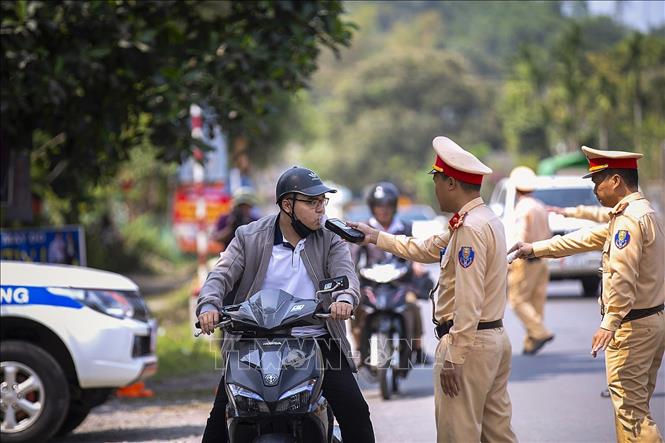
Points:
(198, 176)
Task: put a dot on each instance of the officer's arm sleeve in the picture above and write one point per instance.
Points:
(223, 276)
(470, 257)
(625, 254)
(582, 240)
(340, 264)
(594, 213)
(427, 250)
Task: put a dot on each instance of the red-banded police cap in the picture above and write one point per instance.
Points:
(454, 161)
(599, 160)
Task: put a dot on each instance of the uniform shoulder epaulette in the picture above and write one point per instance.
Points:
(457, 221)
(619, 210)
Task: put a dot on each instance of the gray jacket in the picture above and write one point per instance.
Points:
(244, 263)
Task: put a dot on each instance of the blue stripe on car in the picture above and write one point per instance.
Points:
(35, 295)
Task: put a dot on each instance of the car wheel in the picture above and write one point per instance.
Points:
(590, 286)
(35, 393)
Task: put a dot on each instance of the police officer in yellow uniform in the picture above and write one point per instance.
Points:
(473, 357)
(527, 279)
(632, 330)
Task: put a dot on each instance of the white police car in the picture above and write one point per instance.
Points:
(561, 191)
(69, 337)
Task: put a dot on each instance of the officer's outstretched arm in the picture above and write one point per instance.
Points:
(582, 240)
(426, 250)
(594, 213)
(423, 250)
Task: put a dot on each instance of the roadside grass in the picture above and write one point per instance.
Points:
(179, 352)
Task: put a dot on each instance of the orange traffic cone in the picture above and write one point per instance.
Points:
(137, 390)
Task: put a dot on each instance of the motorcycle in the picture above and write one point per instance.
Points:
(385, 352)
(274, 380)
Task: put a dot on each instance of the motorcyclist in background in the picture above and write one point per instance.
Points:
(382, 201)
(243, 212)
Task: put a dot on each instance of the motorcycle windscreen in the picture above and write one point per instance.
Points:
(276, 309)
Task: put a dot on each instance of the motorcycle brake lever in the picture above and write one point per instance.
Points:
(221, 324)
(328, 315)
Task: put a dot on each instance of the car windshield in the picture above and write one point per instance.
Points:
(565, 197)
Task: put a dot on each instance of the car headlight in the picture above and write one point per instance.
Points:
(296, 397)
(110, 303)
(245, 400)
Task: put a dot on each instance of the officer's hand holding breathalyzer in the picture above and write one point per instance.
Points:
(371, 234)
(520, 250)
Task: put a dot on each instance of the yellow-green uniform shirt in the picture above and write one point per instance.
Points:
(472, 281)
(594, 213)
(633, 245)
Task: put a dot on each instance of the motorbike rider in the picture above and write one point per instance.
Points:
(382, 201)
(243, 212)
(290, 251)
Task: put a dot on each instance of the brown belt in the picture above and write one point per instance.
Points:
(444, 328)
(635, 314)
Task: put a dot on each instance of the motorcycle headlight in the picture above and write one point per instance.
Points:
(245, 400)
(297, 397)
(110, 303)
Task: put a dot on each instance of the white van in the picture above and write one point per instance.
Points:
(70, 337)
(562, 191)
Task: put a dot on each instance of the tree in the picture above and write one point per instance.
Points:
(521, 105)
(83, 82)
(390, 107)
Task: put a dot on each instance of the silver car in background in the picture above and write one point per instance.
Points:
(562, 191)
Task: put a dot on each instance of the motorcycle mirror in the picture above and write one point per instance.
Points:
(334, 284)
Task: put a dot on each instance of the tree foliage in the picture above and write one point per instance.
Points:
(83, 82)
(389, 108)
(582, 93)
(416, 70)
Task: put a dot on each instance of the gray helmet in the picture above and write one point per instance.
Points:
(244, 195)
(301, 181)
(383, 193)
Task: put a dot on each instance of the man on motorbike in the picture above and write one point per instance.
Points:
(382, 201)
(243, 212)
(290, 251)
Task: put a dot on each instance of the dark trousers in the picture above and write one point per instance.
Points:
(339, 388)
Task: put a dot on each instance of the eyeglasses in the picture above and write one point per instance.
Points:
(315, 203)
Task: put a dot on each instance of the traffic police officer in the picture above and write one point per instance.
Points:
(474, 354)
(632, 330)
(527, 279)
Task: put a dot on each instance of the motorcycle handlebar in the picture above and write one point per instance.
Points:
(226, 322)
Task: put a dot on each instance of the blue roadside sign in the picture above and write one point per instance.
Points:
(65, 245)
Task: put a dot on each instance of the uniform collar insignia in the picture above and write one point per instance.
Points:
(618, 209)
(623, 204)
(456, 221)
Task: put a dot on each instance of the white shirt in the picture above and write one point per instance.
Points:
(286, 271)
